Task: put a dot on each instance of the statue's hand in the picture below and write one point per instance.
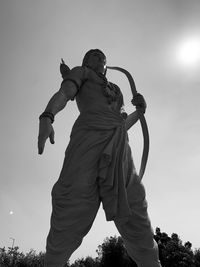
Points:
(139, 102)
(45, 131)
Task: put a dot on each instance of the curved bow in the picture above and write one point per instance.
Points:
(142, 122)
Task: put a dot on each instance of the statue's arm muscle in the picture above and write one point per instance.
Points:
(59, 100)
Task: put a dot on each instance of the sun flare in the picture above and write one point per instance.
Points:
(189, 51)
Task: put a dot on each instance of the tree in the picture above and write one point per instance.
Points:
(13, 257)
(197, 257)
(172, 252)
(87, 262)
(113, 253)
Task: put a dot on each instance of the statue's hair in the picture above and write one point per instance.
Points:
(84, 63)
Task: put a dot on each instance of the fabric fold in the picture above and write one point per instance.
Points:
(111, 165)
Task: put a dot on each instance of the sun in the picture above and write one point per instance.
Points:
(189, 51)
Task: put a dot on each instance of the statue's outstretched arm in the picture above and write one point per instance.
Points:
(57, 102)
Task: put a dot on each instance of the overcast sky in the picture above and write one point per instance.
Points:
(158, 41)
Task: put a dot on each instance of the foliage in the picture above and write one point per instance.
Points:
(13, 257)
(87, 262)
(112, 252)
(197, 257)
(173, 253)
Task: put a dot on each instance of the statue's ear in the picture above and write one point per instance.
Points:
(64, 69)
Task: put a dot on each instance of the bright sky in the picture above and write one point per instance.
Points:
(158, 41)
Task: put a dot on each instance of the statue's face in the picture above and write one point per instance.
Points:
(97, 62)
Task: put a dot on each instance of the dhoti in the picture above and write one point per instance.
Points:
(98, 167)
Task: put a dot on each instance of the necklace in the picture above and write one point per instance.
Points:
(110, 90)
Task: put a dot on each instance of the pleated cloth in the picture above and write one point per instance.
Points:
(112, 163)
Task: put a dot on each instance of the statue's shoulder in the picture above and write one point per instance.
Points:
(81, 71)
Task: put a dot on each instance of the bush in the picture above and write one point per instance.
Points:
(112, 252)
(172, 252)
(13, 257)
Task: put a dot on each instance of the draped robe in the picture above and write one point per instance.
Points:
(110, 150)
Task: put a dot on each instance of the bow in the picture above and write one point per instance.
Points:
(64, 70)
(142, 122)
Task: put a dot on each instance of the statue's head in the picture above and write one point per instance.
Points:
(96, 60)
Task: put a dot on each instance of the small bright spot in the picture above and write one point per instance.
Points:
(189, 51)
(11, 212)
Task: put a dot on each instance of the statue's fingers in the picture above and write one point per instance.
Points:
(41, 143)
(51, 137)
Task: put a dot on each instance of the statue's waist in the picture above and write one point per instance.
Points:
(105, 118)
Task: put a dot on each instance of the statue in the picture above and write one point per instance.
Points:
(98, 165)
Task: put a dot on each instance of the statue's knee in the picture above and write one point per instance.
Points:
(136, 192)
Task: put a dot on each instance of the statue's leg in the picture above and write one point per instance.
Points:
(74, 210)
(75, 197)
(137, 232)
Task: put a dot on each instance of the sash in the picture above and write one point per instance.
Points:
(111, 164)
